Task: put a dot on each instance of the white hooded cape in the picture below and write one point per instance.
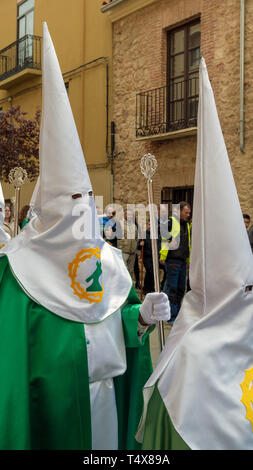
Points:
(59, 258)
(205, 372)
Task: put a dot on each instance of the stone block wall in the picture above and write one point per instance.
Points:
(140, 64)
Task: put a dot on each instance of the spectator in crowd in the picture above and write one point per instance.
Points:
(162, 224)
(111, 229)
(8, 224)
(174, 254)
(147, 261)
(137, 272)
(246, 219)
(4, 237)
(23, 217)
(250, 233)
(249, 229)
(128, 244)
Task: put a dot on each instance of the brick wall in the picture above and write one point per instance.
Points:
(140, 63)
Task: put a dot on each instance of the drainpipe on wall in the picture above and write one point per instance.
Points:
(242, 30)
(111, 158)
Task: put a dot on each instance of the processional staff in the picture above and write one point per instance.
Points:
(148, 168)
(17, 177)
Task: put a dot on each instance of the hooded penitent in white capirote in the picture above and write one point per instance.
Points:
(205, 371)
(60, 258)
(4, 237)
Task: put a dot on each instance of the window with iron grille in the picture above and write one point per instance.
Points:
(183, 75)
(25, 52)
(175, 195)
(174, 106)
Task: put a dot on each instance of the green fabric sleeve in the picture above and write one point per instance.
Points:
(160, 433)
(24, 223)
(130, 316)
(44, 375)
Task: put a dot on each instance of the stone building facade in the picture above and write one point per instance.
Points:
(143, 61)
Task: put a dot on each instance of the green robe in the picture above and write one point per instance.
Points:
(159, 433)
(24, 223)
(44, 388)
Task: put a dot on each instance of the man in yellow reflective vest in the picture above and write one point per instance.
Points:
(175, 254)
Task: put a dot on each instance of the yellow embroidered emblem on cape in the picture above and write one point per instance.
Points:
(94, 292)
(247, 394)
(1, 246)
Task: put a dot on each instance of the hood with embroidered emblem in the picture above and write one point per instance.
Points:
(59, 258)
(205, 371)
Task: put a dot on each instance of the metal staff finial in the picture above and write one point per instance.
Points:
(148, 165)
(148, 168)
(17, 177)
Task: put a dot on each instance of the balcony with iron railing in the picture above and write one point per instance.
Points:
(169, 111)
(20, 60)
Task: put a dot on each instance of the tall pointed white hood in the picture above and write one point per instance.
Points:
(63, 171)
(60, 258)
(210, 348)
(219, 240)
(4, 237)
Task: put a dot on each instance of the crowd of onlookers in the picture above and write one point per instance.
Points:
(173, 244)
(174, 249)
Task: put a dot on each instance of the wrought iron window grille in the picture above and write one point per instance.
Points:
(167, 109)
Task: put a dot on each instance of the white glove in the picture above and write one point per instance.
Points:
(156, 307)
